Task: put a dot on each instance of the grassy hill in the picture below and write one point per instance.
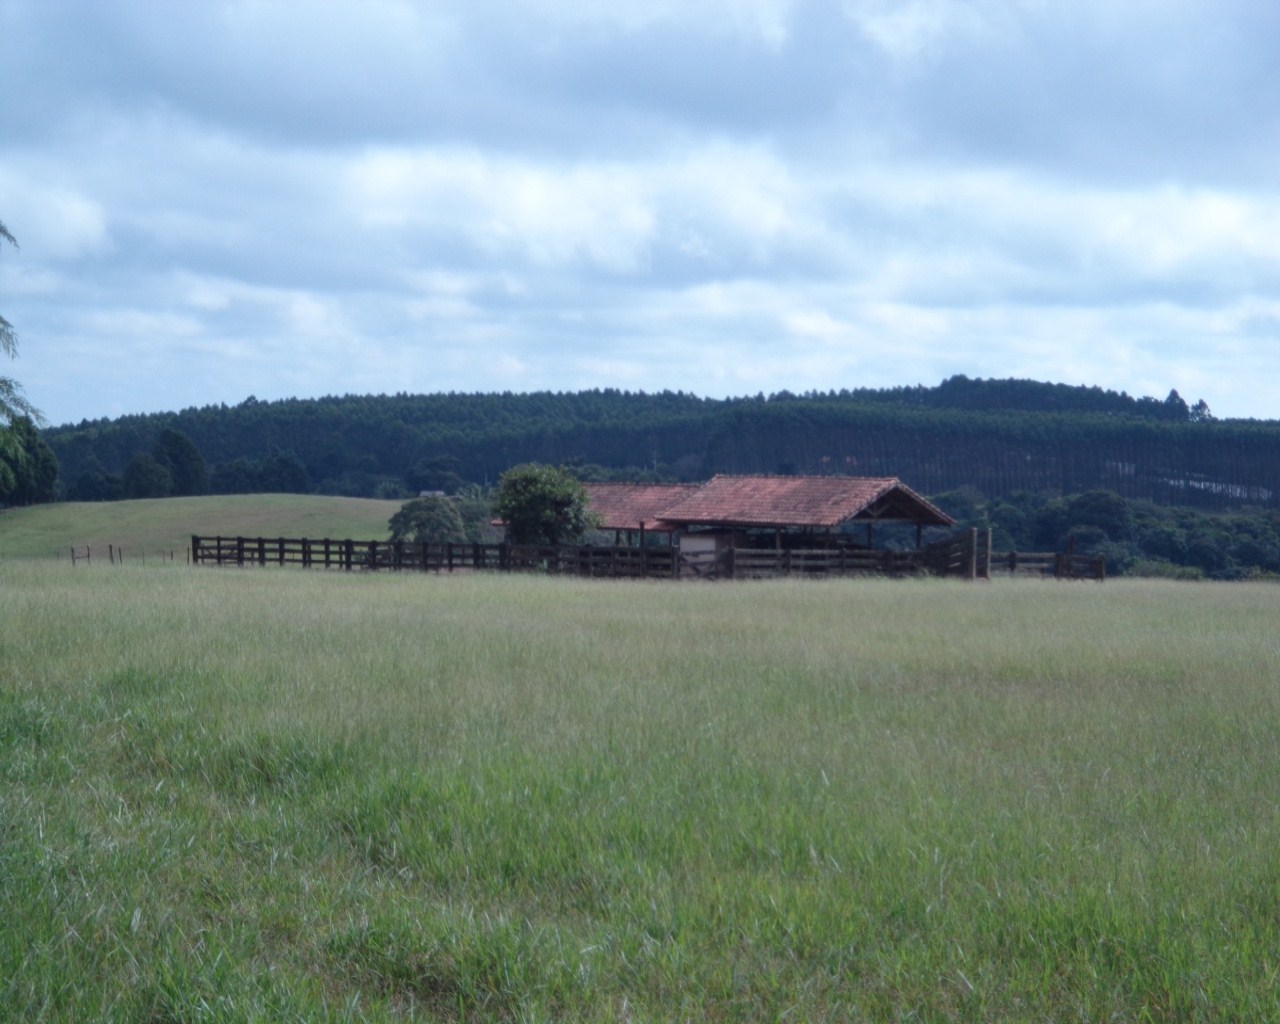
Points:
(157, 527)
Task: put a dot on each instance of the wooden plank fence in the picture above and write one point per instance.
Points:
(967, 555)
(1050, 563)
(350, 555)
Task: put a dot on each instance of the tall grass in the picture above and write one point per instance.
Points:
(267, 795)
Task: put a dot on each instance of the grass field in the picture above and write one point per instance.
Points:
(278, 795)
(157, 527)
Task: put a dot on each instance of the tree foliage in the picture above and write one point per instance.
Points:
(175, 452)
(431, 520)
(8, 337)
(14, 407)
(996, 436)
(146, 477)
(28, 467)
(543, 505)
(1135, 536)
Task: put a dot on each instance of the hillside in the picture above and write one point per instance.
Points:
(157, 527)
(998, 437)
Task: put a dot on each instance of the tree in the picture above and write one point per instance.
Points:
(542, 505)
(438, 473)
(175, 452)
(433, 520)
(284, 473)
(8, 337)
(13, 406)
(28, 467)
(144, 477)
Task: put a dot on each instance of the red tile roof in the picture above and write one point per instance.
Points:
(814, 502)
(626, 506)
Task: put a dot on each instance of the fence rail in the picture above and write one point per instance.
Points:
(349, 555)
(967, 555)
(1062, 566)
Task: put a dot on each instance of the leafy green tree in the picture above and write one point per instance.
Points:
(238, 476)
(13, 406)
(284, 473)
(175, 452)
(1105, 510)
(144, 477)
(475, 506)
(94, 485)
(438, 473)
(433, 520)
(28, 467)
(543, 505)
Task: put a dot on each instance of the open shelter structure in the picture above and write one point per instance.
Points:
(803, 510)
(634, 509)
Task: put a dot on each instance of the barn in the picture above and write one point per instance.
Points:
(778, 511)
(633, 510)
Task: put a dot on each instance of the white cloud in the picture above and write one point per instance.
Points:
(52, 220)
(715, 196)
(909, 29)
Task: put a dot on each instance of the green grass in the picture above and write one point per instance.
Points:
(155, 528)
(271, 794)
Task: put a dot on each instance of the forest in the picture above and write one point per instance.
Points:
(1021, 456)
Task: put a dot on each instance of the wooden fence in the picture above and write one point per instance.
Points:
(967, 555)
(1060, 566)
(351, 555)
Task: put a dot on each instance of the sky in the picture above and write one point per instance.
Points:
(280, 198)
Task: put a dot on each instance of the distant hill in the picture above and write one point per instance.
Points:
(997, 436)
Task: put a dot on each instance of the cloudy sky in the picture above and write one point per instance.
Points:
(218, 198)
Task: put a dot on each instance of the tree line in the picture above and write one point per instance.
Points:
(1000, 437)
(1154, 485)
